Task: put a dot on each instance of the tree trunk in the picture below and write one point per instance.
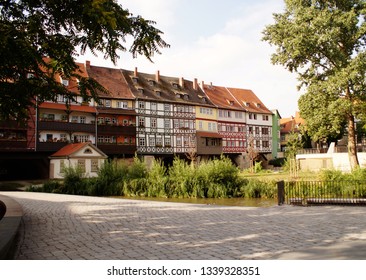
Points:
(352, 151)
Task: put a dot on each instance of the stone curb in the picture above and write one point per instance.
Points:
(9, 226)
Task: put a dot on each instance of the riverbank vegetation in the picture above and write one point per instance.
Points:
(217, 178)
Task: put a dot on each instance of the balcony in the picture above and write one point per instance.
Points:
(66, 126)
(50, 146)
(12, 124)
(12, 145)
(117, 148)
(128, 130)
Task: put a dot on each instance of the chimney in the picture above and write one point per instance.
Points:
(203, 85)
(157, 76)
(87, 64)
(195, 84)
(135, 73)
(181, 82)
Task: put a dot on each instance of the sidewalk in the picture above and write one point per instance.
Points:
(76, 227)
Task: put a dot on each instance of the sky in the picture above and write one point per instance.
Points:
(217, 42)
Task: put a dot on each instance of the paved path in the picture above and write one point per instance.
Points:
(75, 227)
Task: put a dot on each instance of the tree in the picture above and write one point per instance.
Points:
(324, 115)
(31, 30)
(324, 43)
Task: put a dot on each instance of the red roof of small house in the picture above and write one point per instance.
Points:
(71, 149)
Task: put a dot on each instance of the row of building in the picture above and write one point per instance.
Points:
(146, 114)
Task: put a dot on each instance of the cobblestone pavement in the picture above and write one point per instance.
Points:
(75, 227)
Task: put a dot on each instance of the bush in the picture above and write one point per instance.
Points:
(157, 180)
(110, 179)
(74, 182)
(136, 181)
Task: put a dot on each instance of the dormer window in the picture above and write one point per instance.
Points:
(231, 103)
(152, 83)
(158, 92)
(135, 80)
(175, 85)
(177, 95)
(258, 105)
(141, 90)
(65, 82)
(186, 97)
(246, 104)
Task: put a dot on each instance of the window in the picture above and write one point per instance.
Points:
(108, 120)
(159, 141)
(250, 130)
(81, 165)
(238, 115)
(209, 126)
(122, 104)
(258, 144)
(108, 103)
(81, 138)
(62, 166)
(151, 141)
(166, 107)
(179, 141)
(153, 106)
(94, 166)
(100, 139)
(65, 82)
(265, 130)
(257, 130)
(88, 151)
(64, 118)
(241, 129)
(167, 141)
(100, 120)
(153, 122)
(82, 119)
(141, 105)
(265, 144)
(142, 122)
(63, 137)
(142, 142)
(265, 117)
(200, 125)
(74, 119)
(167, 124)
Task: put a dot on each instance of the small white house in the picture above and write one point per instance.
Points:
(86, 156)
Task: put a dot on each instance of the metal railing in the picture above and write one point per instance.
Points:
(308, 193)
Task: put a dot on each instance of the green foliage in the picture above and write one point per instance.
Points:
(157, 179)
(74, 182)
(259, 189)
(32, 30)
(110, 178)
(182, 181)
(321, 41)
(217, 178)
(136, 183)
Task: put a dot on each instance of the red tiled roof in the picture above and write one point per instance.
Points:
(77, 108)
(221, 97)
(112, 80)
(246, 96)
(69, 149)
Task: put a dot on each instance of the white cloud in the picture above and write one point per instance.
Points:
(232, 55)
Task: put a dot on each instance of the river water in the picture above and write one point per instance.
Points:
(243, 202)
